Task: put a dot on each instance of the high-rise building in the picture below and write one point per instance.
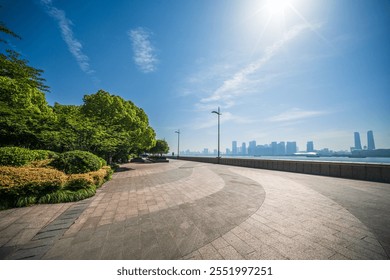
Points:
(274, 148)
(243, 148)
(252, 148)
(205, 151)
(358, 144)
(370, 140)
(281, 149)
(310, 146)
(291, 148)
(234, 148)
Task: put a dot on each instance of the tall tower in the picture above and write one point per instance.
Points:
(234, 148)
(252, 148)
(291, 148)
(370, 140)
(243, 148)
(310, 146)
(358, 144)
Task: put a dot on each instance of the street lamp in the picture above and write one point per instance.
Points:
(178, 142)
(219, 114)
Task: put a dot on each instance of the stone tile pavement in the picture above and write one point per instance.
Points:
(189, 210)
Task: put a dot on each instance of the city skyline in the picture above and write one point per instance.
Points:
(301, 71)
(292, 147)
(286, 147)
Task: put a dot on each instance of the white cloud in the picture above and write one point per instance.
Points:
(294, 115)
(241, 82)
(225, 117)
(74, 46)
(144, 53)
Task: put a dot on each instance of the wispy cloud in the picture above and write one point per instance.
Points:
(295, 114)
(74, 46)
(227, 117)
(241, 82)
(144, 53)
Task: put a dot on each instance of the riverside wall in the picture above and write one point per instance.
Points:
(349, 170)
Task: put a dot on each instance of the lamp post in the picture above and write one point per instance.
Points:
(219, 114)
(178, 142)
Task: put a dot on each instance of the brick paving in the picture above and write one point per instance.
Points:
(189, 210)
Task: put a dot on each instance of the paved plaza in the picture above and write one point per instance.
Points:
(191, 210)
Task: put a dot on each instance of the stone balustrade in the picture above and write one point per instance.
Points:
(349, 170)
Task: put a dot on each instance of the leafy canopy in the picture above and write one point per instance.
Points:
(105, 124)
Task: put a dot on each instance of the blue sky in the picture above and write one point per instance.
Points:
(297, 70)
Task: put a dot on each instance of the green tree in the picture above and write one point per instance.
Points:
(161, 147)
(24, 112)
(14, 67)
(124, 128)
(106, 125)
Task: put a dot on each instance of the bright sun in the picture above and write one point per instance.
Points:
(277, 7)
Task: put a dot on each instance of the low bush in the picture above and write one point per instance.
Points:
(44, 154)
(96, 178)
(22, 186)
(103, 162)
(67, 195)
(14, 178)
(15, 156)
(77, 162)
(41, 163)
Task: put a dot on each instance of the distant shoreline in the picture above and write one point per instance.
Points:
(382, 160)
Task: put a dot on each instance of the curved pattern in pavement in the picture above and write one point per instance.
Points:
(296, 222)
(188, 210)
(169, 233)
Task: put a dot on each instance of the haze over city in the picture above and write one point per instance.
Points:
(296, 70)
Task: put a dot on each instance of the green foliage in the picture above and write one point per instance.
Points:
(7, 31)
(67, 195)
(15, 156)
(24, 112)
(105, 124)
(77, 162)
(44, 154)
(59, 196)
(22, 186)
(17, 69)
(161, 147)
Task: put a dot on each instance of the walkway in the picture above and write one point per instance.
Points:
(189, 210)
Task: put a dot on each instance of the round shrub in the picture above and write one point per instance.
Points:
(103, 162)
(44, 154)
(77, 162)
(16, 156)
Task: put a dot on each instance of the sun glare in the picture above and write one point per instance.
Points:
(277, 7)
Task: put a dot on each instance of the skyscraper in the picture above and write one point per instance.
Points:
(291, 148)
(243, 148)
(252, 148)
(274, 148)
(281, 149)
(358, 144)
(310, 146)
(234, 147)
(370, 140)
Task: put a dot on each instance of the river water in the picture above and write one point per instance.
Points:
(383, 160)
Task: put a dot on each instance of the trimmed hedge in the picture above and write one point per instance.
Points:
(15, 156)
(22, 186)
(77, 162)
(44, 154)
